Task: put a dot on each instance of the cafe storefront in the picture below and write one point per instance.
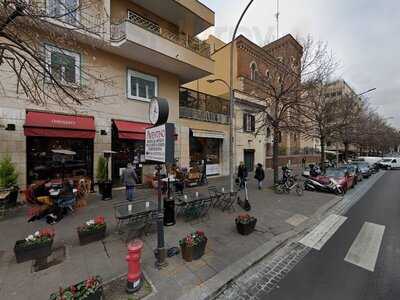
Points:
(207, 145)
(46, 132)
(128, 141)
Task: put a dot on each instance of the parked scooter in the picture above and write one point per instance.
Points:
(316, 184)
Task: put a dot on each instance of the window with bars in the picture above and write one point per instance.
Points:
(64, 65)
(141, 86)
(64, 10)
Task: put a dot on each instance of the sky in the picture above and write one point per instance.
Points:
(362, 34)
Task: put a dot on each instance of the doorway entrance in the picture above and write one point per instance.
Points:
(249, 159)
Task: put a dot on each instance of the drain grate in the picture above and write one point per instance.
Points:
(56, 258)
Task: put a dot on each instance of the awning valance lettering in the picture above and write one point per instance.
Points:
(208, 134)
(59, 125)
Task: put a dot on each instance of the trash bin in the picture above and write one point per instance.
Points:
(169, 212)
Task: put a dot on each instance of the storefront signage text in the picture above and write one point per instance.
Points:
(159, 144)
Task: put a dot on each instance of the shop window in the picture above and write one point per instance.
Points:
(141, 86)
(205, 149)
(63, 65)
(249, 122)
(43, 164)
(64, 10)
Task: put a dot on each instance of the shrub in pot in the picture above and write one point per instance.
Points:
(89, 289)
(35, 246)
(193, 245)
(93, 230)
(105, 185)
(245, 224)
(8, 180)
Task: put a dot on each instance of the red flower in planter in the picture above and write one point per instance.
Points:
(47, 232)
(200, 232)
(100, 220)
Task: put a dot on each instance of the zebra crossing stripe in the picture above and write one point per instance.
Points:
(317, 238)
(365, 248)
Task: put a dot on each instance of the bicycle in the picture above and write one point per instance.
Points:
(289, 184)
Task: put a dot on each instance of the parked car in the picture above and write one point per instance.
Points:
(390, 163)
(341, 176)
(364, 168)
(354, 172)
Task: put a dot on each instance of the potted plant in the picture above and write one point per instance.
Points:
(193, 245)
(90, 289)
(35, 246)
(105, 185)
(245, 224)
(8, 181)
(93, 230)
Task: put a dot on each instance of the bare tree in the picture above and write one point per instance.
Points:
(284, 91)
(28, 28)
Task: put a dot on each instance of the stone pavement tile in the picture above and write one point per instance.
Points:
(205, 273)
(41, 288)
(167, 290)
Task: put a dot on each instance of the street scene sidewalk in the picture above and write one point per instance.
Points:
(276, 214)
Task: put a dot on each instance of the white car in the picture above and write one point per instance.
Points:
(390, 163)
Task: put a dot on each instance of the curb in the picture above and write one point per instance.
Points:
(211, 288)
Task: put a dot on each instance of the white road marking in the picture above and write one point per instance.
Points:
(365, 248)
(323, 232)
(296, 220)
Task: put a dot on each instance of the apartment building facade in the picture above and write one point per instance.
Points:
(143, 49)
(253, 139)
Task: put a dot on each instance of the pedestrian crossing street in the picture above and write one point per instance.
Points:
(364, 249)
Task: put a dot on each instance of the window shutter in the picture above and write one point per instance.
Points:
(253, 123)
(244, 122)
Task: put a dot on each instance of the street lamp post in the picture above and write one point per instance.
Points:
(232, 105)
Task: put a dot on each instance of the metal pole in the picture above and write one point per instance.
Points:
(232, 107)
(160, 263)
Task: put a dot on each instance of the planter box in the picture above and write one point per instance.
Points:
(32, 252)
(86, 237)
(198, 251)
(246, 229)
(193, 253)
(97, 295)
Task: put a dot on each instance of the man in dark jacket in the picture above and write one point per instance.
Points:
(259, 175)
(129, 179)
(242, 174)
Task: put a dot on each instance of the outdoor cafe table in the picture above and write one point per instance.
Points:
(134, 212)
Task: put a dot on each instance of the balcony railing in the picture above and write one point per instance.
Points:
(201, 115)
(203, 107)
(118, 33)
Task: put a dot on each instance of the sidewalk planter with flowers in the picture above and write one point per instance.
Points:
(245, 224)
(193, 245)
(90, 289)
(92, 230)
(35, 246)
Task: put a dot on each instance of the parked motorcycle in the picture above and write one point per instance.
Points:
(319, 185)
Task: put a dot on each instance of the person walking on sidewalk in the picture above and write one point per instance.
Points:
(259, 175)
(129, 179)
(242, 174)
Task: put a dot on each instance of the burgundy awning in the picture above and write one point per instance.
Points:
(131, 130)
(59, 125)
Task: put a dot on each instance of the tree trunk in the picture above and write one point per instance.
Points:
(323, 153)
(275, 155)
(346, 151)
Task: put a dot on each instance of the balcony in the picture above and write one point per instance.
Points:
(142, 40)
(202, 107)
(190, 15)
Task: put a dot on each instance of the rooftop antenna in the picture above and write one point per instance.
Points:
(277, 19)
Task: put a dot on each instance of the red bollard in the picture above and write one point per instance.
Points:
(134, 282)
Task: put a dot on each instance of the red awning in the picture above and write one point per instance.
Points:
(131, 130)
(59, 125)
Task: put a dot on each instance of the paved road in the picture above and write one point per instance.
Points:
(360, 261)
